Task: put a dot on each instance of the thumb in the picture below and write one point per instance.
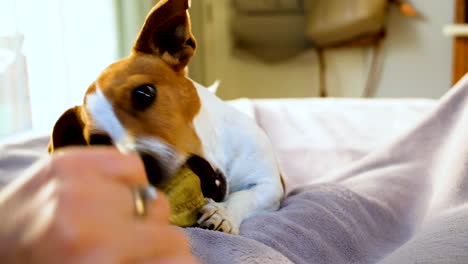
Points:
(174, 260)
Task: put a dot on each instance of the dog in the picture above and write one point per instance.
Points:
(145, 103)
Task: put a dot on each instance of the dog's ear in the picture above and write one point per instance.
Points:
(68, 130)
(167, 33)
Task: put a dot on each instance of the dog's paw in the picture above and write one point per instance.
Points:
(214, 216)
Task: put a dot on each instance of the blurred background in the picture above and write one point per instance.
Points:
(51, 51)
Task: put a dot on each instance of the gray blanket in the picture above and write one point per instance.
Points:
(406, 202)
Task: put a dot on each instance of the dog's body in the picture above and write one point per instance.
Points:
(146, 104)
(236, 145)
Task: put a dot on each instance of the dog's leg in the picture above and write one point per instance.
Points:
(228, 215)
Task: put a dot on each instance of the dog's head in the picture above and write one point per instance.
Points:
(143, 103)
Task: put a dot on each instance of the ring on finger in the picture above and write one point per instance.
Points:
(142, 195)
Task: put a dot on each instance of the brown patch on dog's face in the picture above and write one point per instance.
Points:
(156, 67)
(144, 102)
(168, 117)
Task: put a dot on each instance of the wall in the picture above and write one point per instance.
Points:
(241, 74)
(417, 60)
(419, 57)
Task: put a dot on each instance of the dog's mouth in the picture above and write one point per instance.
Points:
(156, 171)
(213, 182)
(160, 168)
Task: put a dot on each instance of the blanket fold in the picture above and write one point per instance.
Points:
(406, 202)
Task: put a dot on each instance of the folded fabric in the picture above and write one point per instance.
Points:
(16, 158)
(406, 202)
(318, 136)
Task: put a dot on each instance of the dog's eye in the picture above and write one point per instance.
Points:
(102, 140)
(143, 97)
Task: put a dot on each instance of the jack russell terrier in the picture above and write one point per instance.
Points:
(146, 104)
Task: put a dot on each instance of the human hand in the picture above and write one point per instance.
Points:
(77, 207)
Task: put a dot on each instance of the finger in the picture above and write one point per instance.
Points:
(104, 200)
(101, 255)
(174, 260)
(152, 203)
(128, 168)
(146, 241)
(126, 237)
(104, 161)
(95, 255)
(158, 210)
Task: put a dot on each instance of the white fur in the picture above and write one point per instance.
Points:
(234, 143)
(166, 154)
(214, 87)
(104, 119)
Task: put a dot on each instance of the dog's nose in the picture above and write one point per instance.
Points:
(156, 171)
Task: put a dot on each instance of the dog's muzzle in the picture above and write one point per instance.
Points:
(156, 170)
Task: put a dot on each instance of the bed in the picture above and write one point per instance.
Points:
(368, 181)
